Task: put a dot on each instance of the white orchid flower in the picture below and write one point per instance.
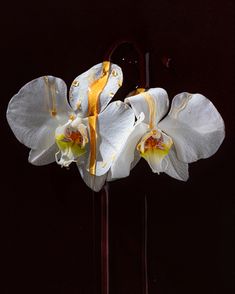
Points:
(193, 129)
(87, 131)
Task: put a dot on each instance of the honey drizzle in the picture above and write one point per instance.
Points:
(152, 109)
(51, 95)
(94, 92)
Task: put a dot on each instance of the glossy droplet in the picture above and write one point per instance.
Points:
(114, 73)
(75, 83)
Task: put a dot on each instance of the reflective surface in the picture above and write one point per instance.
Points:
(50, 228)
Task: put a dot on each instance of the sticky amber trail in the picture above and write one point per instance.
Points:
(51, 89)
(152, 109)
(94, 92)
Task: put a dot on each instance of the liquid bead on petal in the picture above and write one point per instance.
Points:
(71, 140)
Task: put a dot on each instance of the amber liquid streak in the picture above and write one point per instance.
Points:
(51, 96)
(151, 105)
(152, 109)
(95, 90)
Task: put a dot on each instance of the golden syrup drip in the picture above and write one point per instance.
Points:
(53, 99)
(174, 112)
(139, 90)
(136, 92)
(92, 124)
(95, 90)
(51, 95)
(152, 109)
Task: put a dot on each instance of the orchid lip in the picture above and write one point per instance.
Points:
(155, 141)
(71, 140)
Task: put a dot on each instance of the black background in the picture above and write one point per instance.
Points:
(47, 213)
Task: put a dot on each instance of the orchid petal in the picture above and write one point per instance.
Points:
(175, 168)
(169, 165)
(195, 126)
(153, 103)
(43, 157)
(128, 156)
(34, 113)
(94, 182)
(114, 126)
(100, 82)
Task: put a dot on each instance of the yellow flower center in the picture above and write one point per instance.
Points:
(154, 143)
(71, 143)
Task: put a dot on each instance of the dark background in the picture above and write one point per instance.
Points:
(48, 216)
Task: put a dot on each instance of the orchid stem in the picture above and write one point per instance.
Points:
(144, 248)
(94, 237)
(105, 240)
(145, 213)
(147, 72)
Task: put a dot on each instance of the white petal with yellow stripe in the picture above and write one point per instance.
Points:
(102, 81)
(35, 112)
